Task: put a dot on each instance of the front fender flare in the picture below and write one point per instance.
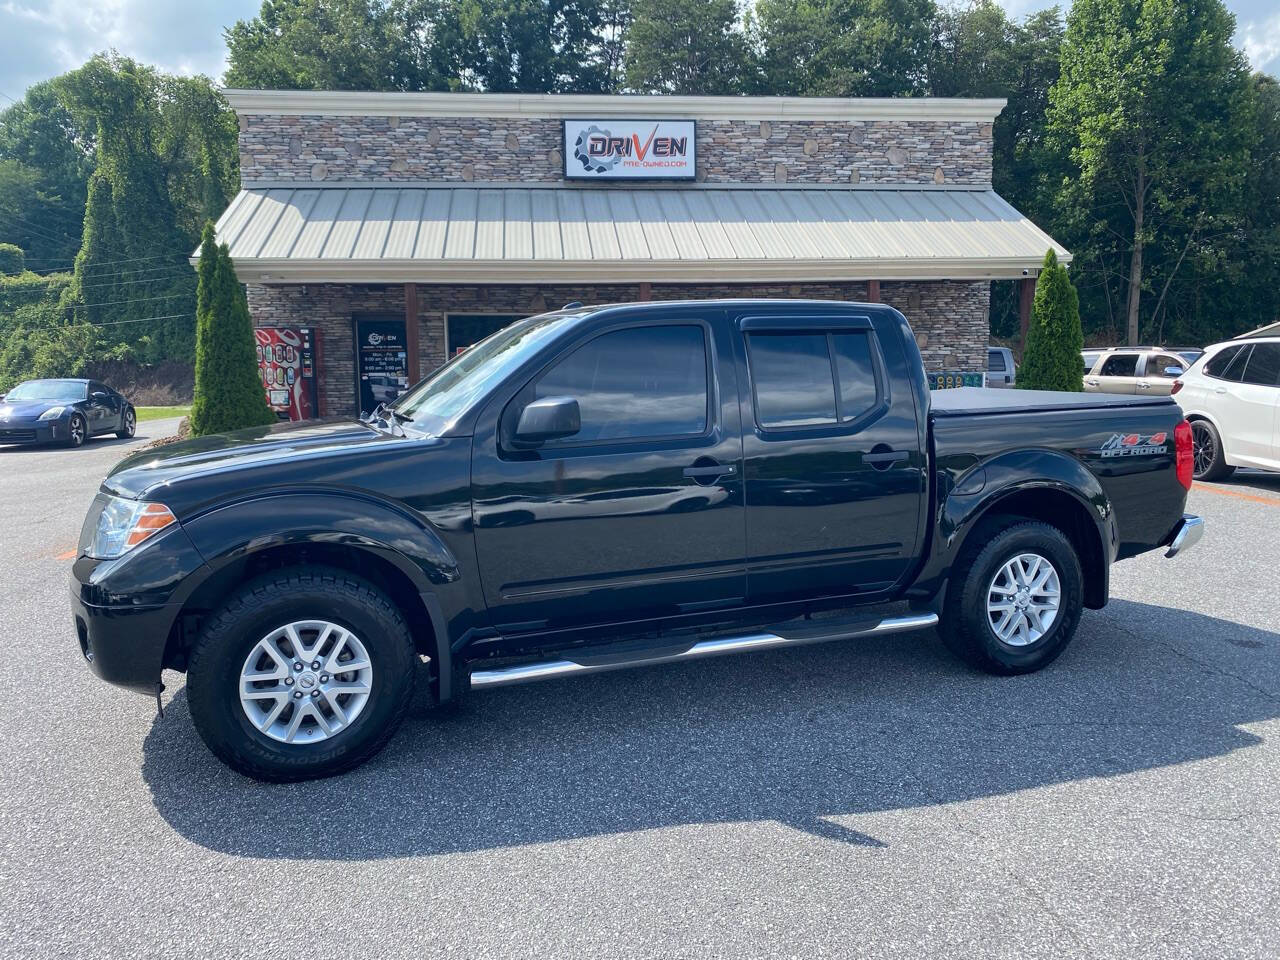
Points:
(233, 532)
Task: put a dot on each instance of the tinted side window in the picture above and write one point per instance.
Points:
(1227, 365)
(1120, 365)
(855, 372)
(641, 382)
(792, 377)
(1264, 365)
(1158, 363)
(995, 361)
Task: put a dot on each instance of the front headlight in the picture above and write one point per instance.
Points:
(123, 524)
(53, 413)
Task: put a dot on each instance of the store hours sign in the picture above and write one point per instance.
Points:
(630, 150)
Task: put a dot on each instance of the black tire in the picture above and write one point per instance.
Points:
(129, 425)
(77, 431)
(1209, 460)
(966, 626)
(264, 605)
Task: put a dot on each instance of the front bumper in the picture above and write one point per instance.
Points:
(1186, 534)
(125, 610)
(32, 431)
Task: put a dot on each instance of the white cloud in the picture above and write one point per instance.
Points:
(1260, 40)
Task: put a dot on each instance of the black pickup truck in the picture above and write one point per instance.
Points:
(602, 487)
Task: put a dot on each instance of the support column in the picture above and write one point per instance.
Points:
(646, 290)
(411, 332)
(873, 291)
(1026, 295)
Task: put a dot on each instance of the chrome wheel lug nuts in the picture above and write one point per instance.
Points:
(315, 665)
(297, 694)
(314, 694)
(297, 666)
(324, 678)
(288, 681)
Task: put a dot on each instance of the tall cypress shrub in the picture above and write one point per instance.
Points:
(228, 391)
(1051, 355)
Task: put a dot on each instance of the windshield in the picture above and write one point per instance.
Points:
(445, 395)
(47, 390)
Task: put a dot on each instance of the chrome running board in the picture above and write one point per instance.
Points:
(810, 632)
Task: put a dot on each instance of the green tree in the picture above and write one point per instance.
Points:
(13, 259)
(678, 47)
(1152, 113)
(842, 48)
(228, 390)
(46, 157)
(323, 45)
(1051, 360)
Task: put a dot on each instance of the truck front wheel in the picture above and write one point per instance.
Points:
(1015, 597)
(303, 673)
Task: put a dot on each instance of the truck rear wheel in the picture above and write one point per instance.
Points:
(1015, 599)
(304, 673)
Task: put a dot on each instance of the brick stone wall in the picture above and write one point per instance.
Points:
(949, 317)
(522, 150)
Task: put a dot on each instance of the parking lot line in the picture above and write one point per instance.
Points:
(1240, 495)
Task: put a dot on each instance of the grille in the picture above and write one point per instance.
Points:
(17, 436)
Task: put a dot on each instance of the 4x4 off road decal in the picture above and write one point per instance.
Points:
(1135, 445)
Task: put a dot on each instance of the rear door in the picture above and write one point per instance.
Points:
(835, 470)
(1118, 373)
(639, 515)
(999, 368)
(1254, 401)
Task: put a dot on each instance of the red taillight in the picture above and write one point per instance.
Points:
(1182, 444)
(1177, 385)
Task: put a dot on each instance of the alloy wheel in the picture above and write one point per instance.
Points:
(306, 681)
(1204, 448)
(76, 430)
(1023, 599)
(130, 422)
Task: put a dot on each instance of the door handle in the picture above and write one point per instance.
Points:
(1092, 383)
(887, 456)
(711, 470)
(1144, 386)
(1220, 390)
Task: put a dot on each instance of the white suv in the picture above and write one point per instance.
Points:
(1231, 395)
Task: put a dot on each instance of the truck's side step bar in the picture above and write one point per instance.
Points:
(809, 632)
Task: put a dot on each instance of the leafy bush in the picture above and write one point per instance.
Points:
(12, 259)
(1054, 339)
(228, 392)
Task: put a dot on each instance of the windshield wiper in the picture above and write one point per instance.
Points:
(391, 419)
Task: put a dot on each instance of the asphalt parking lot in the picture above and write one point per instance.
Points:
(872, 798)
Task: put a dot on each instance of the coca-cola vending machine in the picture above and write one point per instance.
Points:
(287, 361)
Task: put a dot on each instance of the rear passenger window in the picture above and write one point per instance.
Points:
(995, 361)
(792, 377)
(1120, 365)
(855, 372)
(1227, 365)
(1263, 367)
(812, 379)
(632, 384)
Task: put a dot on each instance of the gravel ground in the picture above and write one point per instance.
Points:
(873, 798)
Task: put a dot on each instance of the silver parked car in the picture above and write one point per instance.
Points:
(1148, 371)
(1001, 370)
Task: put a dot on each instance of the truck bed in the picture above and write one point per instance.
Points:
(964, 401)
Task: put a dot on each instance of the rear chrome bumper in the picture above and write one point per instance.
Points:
(1186, 534)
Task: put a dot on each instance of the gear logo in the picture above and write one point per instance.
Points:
(582, 155)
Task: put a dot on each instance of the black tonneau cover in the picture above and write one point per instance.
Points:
(962, 401)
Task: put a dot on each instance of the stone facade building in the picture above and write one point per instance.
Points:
(432, 219)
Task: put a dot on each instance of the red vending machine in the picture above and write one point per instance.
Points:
(287, 360)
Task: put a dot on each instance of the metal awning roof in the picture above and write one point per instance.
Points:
(356, 233)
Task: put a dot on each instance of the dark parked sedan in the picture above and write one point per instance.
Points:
(64, 411)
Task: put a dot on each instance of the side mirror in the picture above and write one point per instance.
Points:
(1173, 371)
(550, 418)
(97, 395)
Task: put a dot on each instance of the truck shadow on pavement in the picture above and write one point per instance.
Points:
(800, 737)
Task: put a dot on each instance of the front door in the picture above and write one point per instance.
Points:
(637, 516)
(382, 362)
(836, 469)
(1250, 414)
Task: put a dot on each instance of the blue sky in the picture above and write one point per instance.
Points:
(42, 38)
